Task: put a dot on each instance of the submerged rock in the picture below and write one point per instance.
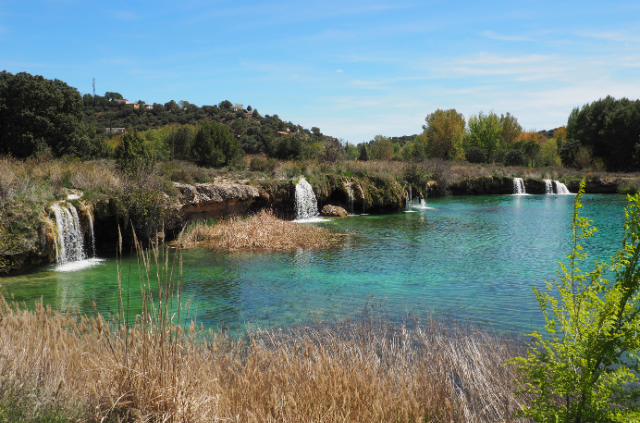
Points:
(334, 211)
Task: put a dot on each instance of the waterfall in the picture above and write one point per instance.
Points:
(93, 235)
(69, 239)
(548, 186)
(561, 189)
(350, 198)
(408, 199)
(518, 186)
(306, 203)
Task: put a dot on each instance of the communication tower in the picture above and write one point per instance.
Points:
(94, 87)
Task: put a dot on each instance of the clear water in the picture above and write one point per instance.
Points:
(470, 257)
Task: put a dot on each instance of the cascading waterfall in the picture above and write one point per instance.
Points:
(548, 186)
(306, 202)
(561, 189)
(69, 238)
(518, 186)
(408, 199)
(350, 197)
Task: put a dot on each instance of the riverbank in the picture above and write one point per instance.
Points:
(163, 200)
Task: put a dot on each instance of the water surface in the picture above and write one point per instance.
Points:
(474, 258)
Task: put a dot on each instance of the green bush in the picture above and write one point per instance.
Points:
(585, 369)
(630, 187)
(260, 164)
(133, 155)
(515, 158)
(214, 145)
(476, 155)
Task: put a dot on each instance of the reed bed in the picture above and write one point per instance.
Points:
(360, 371)
(261, 231)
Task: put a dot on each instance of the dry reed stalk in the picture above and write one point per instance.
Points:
(262, 231)
(154, 370)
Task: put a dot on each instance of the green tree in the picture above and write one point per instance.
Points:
(417, 149)
(179, 142)
(214, 145)
(585, 369)
(511, 129)
(515, 157)
(113, 96)
(484, 132)
(445, 131)
(380, 148)
(41, 114)
(133, 155)
(610, 128)
(363, 152)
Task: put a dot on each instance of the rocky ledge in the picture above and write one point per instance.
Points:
(202, 201)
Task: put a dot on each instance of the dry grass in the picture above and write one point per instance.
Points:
(154, 370)
(261, 231)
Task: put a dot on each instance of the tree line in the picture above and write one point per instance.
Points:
(41, 115)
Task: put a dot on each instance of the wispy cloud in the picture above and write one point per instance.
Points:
(616, 36)
(492, 35)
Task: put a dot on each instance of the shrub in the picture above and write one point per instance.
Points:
(515, 158)
(630, 187)
(261, 164)
(133, 155)
(585, 369)
(214, 145)
(476, 155)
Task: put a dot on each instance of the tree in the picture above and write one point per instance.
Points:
(515, 158)
(225, 105)
(444, 131)
(611, 128)
(585, 369)
(41, 114)
(363, 152)
(511, 129)
(416, 150)
(214, 145)
(476, 155)
(380, 148)
(484, 132)
(133, 155)
(179, 142)
(113, 96)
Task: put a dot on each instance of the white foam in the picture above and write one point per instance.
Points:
(78, 265)
(311, 220)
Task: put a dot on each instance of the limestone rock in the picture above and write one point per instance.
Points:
(201, 201)
(334, 211)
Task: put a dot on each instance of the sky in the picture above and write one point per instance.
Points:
(354, 69)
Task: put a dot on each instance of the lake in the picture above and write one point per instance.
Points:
(473, 258)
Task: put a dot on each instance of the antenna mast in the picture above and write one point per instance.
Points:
(94, 87)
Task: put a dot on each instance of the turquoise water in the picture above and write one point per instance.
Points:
(469, 257)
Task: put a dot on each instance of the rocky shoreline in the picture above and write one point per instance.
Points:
(348, 194)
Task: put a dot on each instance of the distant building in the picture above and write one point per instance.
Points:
(116, 130)
(148, 106)
(122, 101)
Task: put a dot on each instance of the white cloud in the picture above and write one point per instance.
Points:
(339, 71)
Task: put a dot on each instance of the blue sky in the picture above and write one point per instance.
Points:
(353, 68)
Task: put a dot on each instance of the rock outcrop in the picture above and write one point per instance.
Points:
(202, 201)
(334, 211)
